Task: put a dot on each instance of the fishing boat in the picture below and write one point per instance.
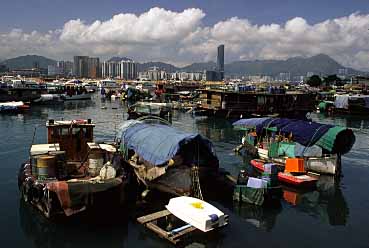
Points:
(74, 90)
(167, 159)
(19, 90)
(300, 179)
(140, 109)
(71, 173)
(13, 107)
(50, 99)
(108, 84)
(276, 139)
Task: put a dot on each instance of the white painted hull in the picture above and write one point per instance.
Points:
(86, 96)
(324, 165)
(197, 213)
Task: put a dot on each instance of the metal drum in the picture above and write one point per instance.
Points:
(95, 163)
(45, 167)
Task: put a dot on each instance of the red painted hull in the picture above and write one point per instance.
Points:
(300, 181)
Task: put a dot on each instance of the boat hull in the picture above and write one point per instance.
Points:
(299, 181)
(323, 165)
(86, 96)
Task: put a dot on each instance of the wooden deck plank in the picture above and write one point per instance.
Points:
(154, 216)
(160, 232)
(184, 232)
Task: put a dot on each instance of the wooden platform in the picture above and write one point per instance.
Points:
(150, 221)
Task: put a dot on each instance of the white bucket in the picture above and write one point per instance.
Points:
(94, 166)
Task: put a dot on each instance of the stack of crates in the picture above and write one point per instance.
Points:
(270, 174)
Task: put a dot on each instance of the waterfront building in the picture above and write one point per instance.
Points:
(54, 70)
(80, 66)
(62, 68)
(154, 74)
(284, 76)
(94, 68)
(86, 67)
(117, 68)
(211, 75)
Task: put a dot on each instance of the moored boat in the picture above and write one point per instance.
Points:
(13, 107)
(140, 109)
(277, 139)
(299, 180)
(167, 159)
(71, 173)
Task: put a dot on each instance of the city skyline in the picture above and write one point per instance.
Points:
(180, 35)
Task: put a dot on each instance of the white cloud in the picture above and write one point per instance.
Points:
(181, 37)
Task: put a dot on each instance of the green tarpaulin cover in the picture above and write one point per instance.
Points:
(328, 139)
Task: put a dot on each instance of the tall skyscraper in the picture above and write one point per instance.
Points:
(220, 62)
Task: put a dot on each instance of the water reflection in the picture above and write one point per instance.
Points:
(262, 217)
(103, 230)
(326, 203)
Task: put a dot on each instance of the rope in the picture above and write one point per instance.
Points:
(195, 178)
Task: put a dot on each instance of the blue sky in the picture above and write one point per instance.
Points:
(51, 14)
(183, 32)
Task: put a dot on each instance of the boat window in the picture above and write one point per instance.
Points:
(84, 131)
(75, 131)
(64, 131)
(55, 132)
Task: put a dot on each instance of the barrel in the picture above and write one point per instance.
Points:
(60, 164)
(95, 163)
(94, 166)
(45, 167)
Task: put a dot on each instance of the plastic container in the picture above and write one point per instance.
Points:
(294, 165)
(257, 183)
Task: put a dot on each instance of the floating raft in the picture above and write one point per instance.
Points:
(150, 221)
(195, 213)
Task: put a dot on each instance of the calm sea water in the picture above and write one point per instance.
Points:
(334, 215)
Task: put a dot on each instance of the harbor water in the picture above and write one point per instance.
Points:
(334, 215)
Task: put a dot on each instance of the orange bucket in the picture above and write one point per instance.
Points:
(294, 165)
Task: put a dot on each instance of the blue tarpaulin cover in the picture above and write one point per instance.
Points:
(157, 143)
(305, 133)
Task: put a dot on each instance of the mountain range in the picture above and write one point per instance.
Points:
(296, 66)
(28, 61)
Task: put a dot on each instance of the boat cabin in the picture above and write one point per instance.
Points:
(72, 136)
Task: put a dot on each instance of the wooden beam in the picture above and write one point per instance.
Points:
(154, 216)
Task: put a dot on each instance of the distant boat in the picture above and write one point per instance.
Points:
(12, 107)
(20, 90)
(108, 84)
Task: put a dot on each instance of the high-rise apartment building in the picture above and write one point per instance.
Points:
(80, 66)
(86, 67)
(123, 69)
